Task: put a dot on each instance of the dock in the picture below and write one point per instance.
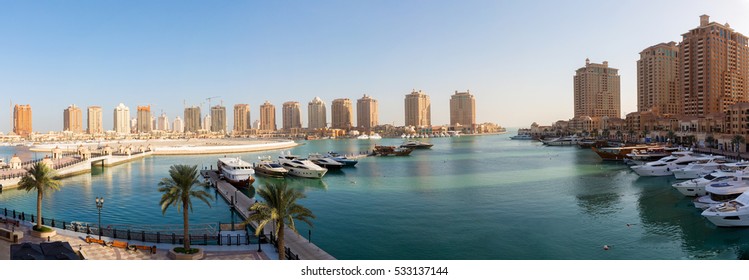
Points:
(299, 245)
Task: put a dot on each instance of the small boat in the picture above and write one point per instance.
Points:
(733, 213)
(236, 171)
(416, 145)
(363, 137)
(269, 168)
(642, 156)
(301, 167)
(375, 136)
(325, 162)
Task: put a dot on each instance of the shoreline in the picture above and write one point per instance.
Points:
(177, 147)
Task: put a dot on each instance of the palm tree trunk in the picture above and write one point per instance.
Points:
(187, 231)
(39, 209)
(281, 247)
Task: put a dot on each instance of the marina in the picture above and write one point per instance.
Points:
(513, 199)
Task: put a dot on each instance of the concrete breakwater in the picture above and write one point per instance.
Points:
(177, 146)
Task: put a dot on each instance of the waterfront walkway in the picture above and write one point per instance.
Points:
(298, 245)
(95, 251)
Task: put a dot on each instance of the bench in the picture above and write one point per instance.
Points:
(94, 240)
(150, 249)
(119, 244)
(11, 222)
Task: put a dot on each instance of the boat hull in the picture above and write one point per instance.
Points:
(271, 173)
(306, 173)
(727, 219)
(690, 188)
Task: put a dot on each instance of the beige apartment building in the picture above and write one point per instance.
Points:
(657, 79)
(316, 115)
(218, 118)
(95, 124)
(144, 119)
(22, 125)
(292, 115)
(463, 109)
(597, 91)
(192, 119)
(121, 119)
(366, 113)
(418, 109)
(342, 110)
(267, 117)
(242, 119)
(714, 68)
(72, 119)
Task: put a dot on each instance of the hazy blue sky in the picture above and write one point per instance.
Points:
(517, 57)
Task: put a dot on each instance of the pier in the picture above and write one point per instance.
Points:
(66, 166)
(299, 245)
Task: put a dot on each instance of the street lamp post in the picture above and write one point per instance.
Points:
(99, 205)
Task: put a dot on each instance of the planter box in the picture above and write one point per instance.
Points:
(40, 234)
(179, 256)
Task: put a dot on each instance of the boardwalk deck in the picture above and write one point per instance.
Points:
(298, 244)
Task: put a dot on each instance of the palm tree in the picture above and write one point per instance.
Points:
(178, 191)
(619, 134)
(280, 207)
(710, 141)
(736, 140)
(671, 136)
(40, 178)
(631, 135)
(606, 133)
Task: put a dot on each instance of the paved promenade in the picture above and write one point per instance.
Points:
(98, 252)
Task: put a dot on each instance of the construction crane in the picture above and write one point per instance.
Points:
(209, 100)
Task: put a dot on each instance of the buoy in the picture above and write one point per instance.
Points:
(605, 247)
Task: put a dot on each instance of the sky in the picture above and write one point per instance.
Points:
(517, 58)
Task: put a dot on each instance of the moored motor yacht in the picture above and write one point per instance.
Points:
(722, 192)
(236, 171)
(522, 137)
(416, 145)
(347, 162)
(562, 141)
(696, 187)
(269, 168)
(301, 167)
(667, 165)
(325, 162)
(700, 168)
(733, 213)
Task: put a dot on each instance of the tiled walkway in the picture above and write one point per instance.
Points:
(98, 252)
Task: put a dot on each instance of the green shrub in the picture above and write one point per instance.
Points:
(181, 250)
(42, 229)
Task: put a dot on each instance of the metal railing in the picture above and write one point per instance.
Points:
(130, 234)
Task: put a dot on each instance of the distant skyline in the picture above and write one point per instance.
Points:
(517, 58)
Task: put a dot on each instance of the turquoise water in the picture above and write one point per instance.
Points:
(484, 197)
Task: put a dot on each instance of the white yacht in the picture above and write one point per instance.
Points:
(363, 137)
(375, 136)
(522, 137)
(236, 171)
(563, 141)
(696, 187)
(666, 165)
(734, 213)
(301, 167)
(325, 162)
(722, 192)
(700, 168)
(269, 168)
